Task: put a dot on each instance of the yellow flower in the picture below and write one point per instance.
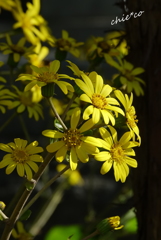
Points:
(46, 75)
(40, 53)
(23, 101)
(66, 43)
(21, 156)
(74, 69)
(73, 177)
(117, 154)
(118, 41)
(73, 141)
(7, 4)
(114, 222)
(108, 224)
(21, 233)
(17, 50)
(33, 25)
(128, 75)
(130, 112)
(98, 97)
(4, 96)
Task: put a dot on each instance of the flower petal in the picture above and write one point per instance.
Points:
(53, 147)
(52, 133)
(103, 156)
(61, 153)
(88, 111)
(75, 118)
(73, 159)
(106, 167)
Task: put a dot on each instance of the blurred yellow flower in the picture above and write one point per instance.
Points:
(66, 43)
(118, 40)
(20, 233)
(17, 50)
(33, 25)
(73, 177)
(128, 75)
(46, 75)
(98, 96)
(2, 79)
(117, 154)
(73, 141)
(4, 99)
(99, 47)
(40, 53)
(24, 101)
(7, 4)
(130, 112)
(21, 157)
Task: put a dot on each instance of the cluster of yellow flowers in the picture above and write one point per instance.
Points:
(88, 121)
(103, 104)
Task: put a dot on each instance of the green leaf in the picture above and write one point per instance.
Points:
(58, 125)
(64, 233)
(131, 225)
(26, 215)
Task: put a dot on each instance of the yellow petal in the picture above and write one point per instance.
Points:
(82, 155)
(28, 172)
(75, 118)
(52, 133)
(20, 169)
(96, 115)
(86, 126)
(53, 147)
(61, 153)
(102, 156)
(73, 159)
(106, 136)
(106, 167)
(88, 111)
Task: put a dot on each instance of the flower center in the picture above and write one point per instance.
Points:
(47, 77)
(20, 156)
(99, 101)
(72, 138)
(131, 117)
(128, 75)
(105, 46)
(117, 153)
(26, 21)
(62, 43)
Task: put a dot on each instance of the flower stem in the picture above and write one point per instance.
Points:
(91, 235)
(8, 121)
(20, 204)
(56, 114)
(51, 181)
(23, 125)
(68, 106)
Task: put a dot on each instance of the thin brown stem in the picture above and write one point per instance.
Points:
(56, 114)
(48, 184)
(91, 235)
(17, 211)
